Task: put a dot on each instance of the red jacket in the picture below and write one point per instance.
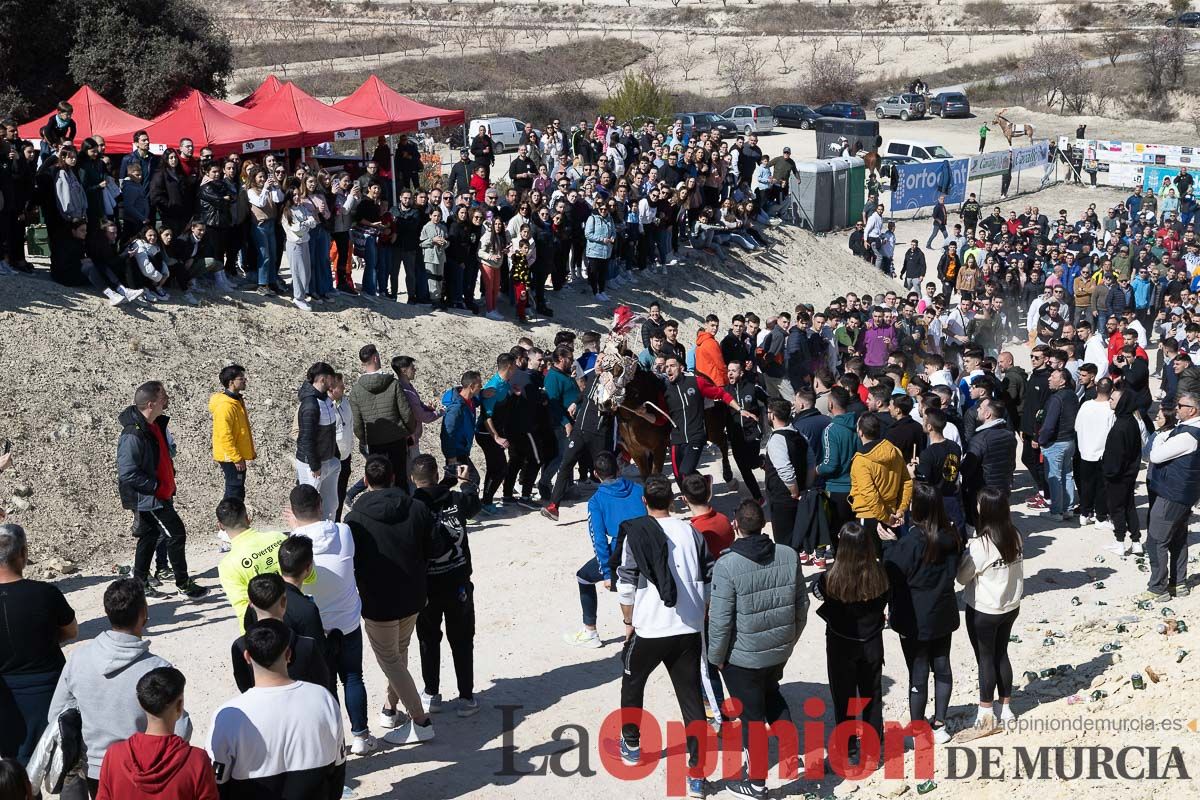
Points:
(156, 768)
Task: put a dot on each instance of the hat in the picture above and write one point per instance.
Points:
(463, 151)
(1177, 311)
(787, 149)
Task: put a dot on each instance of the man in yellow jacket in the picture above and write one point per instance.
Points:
(880, 485)
(232, 441)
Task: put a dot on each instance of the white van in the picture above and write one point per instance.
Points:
(917, 149)
(506, 131)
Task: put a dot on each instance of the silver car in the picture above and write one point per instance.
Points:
(905, 106)
(750, 119)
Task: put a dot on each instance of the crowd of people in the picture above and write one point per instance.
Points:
(598, 204)
(885, 428)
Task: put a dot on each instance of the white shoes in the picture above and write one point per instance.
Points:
(467, 708)
(1086, 520)
(941, 735)
(223, 541)
(410, 733)
(984, 719)
(584, 638)
(361, 745)
(114, 298)
(1120, 548)
(432, 703)
(300, 304)
(1006, 714)
(1104, 525)
(131, 294)
(1137, 548)
(389, 719)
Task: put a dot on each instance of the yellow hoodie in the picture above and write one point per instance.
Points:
(231, 437)
(880, 484)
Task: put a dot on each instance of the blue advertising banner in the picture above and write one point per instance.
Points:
(919, 185)
(1153, 177)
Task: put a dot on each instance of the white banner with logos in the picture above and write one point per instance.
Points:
(350, 135)
(1030, 156)
(997, 162)
(428, 124)
(984, 165)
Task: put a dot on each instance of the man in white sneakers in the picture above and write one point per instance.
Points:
(261, 747)
(1092, 424)
(662, 582)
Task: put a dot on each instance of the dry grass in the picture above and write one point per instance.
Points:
(270, 53)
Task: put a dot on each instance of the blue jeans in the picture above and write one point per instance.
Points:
(1059, 457)
(350, 671)
(235, 480)
(370, 265)
(662, 239)
(264, 239)
(318, 259)
(24, 703)
(588, 576)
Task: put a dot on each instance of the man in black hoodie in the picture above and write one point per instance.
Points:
(1056, 440)
(516, 419)
(393, 542)
(591, 433)
(1037, 390)
(317, 462)
(1120, 463)
(450, 591)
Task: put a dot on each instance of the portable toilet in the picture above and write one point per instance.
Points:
(813, 191)
(849, 177)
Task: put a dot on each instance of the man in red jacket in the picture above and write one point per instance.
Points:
(157, 764)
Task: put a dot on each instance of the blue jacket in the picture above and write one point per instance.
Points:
(613, 503)
(499, 388)
(596, 230)
(839, 441)
(1141, 292)
(458, 425)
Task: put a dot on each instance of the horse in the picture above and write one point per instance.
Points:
(1009, 129)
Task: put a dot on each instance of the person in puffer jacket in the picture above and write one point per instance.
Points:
(880, 485)
(458, 423)
(317, 463)
(757, 612)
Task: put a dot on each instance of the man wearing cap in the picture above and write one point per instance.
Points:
(460, 174)
(782, 169)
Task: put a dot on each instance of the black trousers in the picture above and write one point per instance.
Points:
(921, 657)
(580, 444)
(681, 656)
(745, 455)
(148, 526)
(577, 248)
(989, 639)
(343, 482)
(1031, 457)
(524, 459)
(597, 273)
(856, 670)
(1122, 510)
(1089, 479)
(762, 702)
(495, 466)
(685, 459)
(455, 604)
(839, 514)
(783, 519)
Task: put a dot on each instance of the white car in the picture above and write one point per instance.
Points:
(917, 150)
(505, 131)
(751, 119)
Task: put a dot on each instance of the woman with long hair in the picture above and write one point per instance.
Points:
(855, 591)
(298, 224)
(992, 574)
(169, 194)
(319, 202)
(346, 196)
(264, 195)
(921, 567)
(493, 247)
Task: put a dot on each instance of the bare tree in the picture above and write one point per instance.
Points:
(904, 35)
(837, 37)
(1113, 45)
(877, 43)
(946, 42)
(461, 36)
(742, 72)
(501, 37)
(784, 56)
(1161, 60)
(610, 81)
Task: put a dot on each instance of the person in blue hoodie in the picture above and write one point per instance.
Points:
(616, 500)
(839, 442)
(458, 423)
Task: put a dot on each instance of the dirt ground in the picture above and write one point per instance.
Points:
(73, 362)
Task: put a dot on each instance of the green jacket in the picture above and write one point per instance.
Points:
(840, 442)
(382, 414)
(759, 604)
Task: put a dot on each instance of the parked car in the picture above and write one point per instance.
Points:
(843, 110)
(950, 104)
(917, 150)
(905, 106)
(751, 119)
(1188, 19)
(695, 122)
(794, 115)
(506, 131)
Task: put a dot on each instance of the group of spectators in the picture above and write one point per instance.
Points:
(599, 203)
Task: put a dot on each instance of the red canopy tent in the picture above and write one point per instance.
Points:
(197, 117)
(266, 90)
(291, 109)
(185, 95)
(93, 115)
(377, 100)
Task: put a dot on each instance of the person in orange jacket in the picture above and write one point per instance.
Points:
(709, 361)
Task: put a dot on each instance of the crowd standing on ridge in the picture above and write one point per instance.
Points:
(886, 428)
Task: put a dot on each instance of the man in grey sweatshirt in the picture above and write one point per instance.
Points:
(100, 678)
